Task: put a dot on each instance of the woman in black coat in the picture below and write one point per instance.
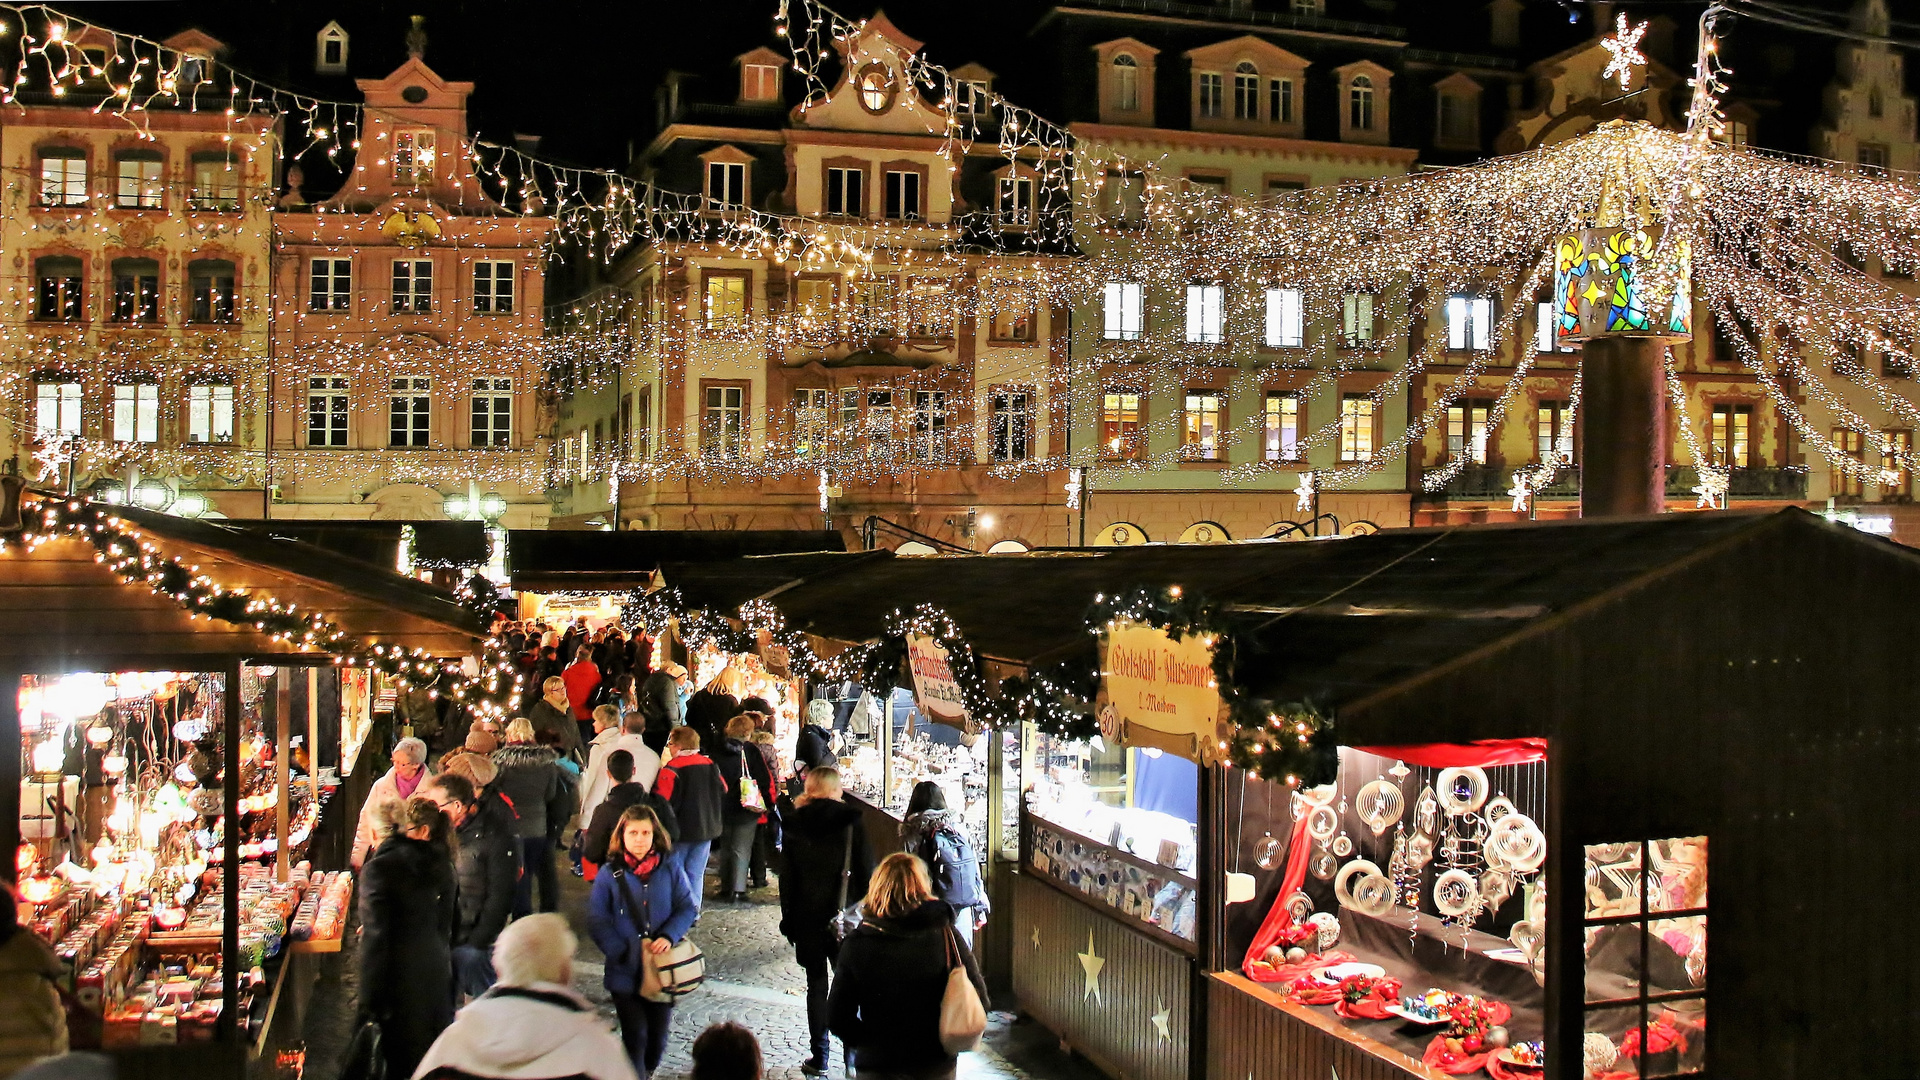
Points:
(892, 977)
(408, 904)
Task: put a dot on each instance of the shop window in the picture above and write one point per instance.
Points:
(413, 157)
(58, 296)
(63, 177)
(723, 422)
(56, 407)
(726, 185)
(844, 193)
(810, 419)
(1120, 436)
(1469, 323)
(410, 411)
(1286, 319)
(1012, 425)
(814, 301)
(210, 413)
(1845, 483)
(1553, 432)
(1016, 202)
(412, 287)
(1646, 954)
(1211, 92)
(136, 291)
(137, 180)
(1013, 314)
(493, 286)
(930, 425)
(1467, 431)
(1201, 425)
(1125, 310)
(1206, 314)
(1729, 435)
(1896, 449)
(903, 195)
(136, 412)
(1282, 428)
(1357, 415)
(492, 410)
(330, 285)
(1280, 101)
(216, 182)
(1246, 91)
(1126, 84)
(1356, 319)
(210, 291)
(328, 408)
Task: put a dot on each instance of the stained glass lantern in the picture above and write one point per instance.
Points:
(1600, 286)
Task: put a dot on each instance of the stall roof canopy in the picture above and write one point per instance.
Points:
(555, 560)
(62, 607)
(435, 543)
(1339, 618)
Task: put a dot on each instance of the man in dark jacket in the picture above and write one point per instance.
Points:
(659, 703)
(826, 862)
(486, 868)
(691, 785)
(625, 792)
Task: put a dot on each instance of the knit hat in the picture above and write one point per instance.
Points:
(481, 741)
(475, 767)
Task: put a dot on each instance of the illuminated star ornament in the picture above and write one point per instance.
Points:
(1712, 488)
(1522, 491)
(1091, 963)
(51, 458)
(1624, 47)
(1303, 495)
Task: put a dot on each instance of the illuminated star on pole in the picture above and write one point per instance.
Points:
(1624, 47)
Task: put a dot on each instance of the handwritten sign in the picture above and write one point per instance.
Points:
(934, 688)
(1160, 692)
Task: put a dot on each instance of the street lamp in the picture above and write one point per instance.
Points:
(493, 505)
(470, 505)
(190, 504)
(457, 506)
(151, 495)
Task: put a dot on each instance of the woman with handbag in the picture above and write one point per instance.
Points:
(639, 915)
(749, 785)
(907, 996)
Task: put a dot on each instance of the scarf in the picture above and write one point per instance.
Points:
(407, 787)
(644, 868)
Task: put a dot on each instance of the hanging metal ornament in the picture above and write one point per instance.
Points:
(1399, 771)
(1299, 905)
(1322, 865)
(1381, 804)
(1518, 843)
(1426, 811)
(1462, 791)
(1373, 894)
(1322, 823)
(1343, 845)
(1419, 851)
(1496, 886)
(1455, 893)
(1344, 881)
(1498, 807)
(1266, 852)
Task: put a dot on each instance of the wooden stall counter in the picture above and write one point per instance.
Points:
(1255, 1031)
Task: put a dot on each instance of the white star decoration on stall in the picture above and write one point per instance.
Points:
(1036, 937)
(1303, 495)
(1521, 492)
(1091, 963)
(1160, 1021)
(1624, 47)
(1712, 488)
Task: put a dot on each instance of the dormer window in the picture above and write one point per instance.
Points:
(726, 185)
(876, 88)
(1126, 84)
(759, 82)
(413, 157)
(330, 50)
(1246, 91)
(1360, 103)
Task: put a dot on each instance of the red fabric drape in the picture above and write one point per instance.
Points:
(1484, 753)
(1278, 917)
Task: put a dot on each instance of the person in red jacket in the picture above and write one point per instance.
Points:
(692, 786)
(582, 678)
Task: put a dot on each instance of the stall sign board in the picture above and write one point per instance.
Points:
(934, 688)
(1160, 692)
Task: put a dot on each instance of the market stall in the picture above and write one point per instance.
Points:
(171, 744)
(562, 575)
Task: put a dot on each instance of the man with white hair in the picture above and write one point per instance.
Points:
(400, 782)
(532, 1025)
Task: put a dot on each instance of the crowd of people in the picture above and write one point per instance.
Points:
(643, 783)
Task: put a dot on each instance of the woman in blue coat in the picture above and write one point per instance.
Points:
(641, 901)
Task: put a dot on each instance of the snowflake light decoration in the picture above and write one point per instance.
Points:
(1624, 47)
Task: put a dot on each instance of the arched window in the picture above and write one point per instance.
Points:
(1246, 91)
(1126, 84)
(876, 88)
(1360, 104)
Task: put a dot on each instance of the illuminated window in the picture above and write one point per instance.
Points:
(136, 291)
(491, 407)
(412, 287)
(1283, 427)
(1544, 333)
(929, 309)
(809, 420)
(56, 407)
(327, 410)
(844, 193)
(1896, 449)
(63, 177)
(1645, 927)
(1201, 425)
(1553, 432)
(930, 425)
(1360, 103)
(409, 411)
(136, 412)
(726, 185)
(1246, 92)
(874, 305)
(1729, 435)
(1120, 426)
(1467, 431)
(330, 285)
(1012, 425)
(216, 182)
(876, 88)
(1016, 202)
(1206, 314)
(723, 428)
(726, 301)
(210, 291)
(1013, 311)
(1126, 84)
(1356, 319)
(1846, 482)
(1469, 323)
(210, 413)
(139, 180)
(879, 425)
(1286, 320)
(413, 156)
(1212, 91)
(814, 301)
(1356, 427)
(1125, 310)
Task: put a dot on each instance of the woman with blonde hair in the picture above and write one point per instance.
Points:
(542, 801)
(892, 977)
(641, 904)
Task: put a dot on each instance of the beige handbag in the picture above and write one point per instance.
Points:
(963, 1018)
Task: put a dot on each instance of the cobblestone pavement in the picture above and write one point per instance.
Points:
(751, 979)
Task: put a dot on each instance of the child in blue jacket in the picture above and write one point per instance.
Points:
(641, 901)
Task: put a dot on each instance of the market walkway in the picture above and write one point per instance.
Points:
(751, 979)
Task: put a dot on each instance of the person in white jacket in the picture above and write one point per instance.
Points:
(400, 782)
(594, 781)
(532, 1025)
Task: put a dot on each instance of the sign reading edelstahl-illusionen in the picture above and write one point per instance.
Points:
(1160, 692)
(934, 688)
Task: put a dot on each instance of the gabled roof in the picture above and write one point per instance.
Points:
(883, 26)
